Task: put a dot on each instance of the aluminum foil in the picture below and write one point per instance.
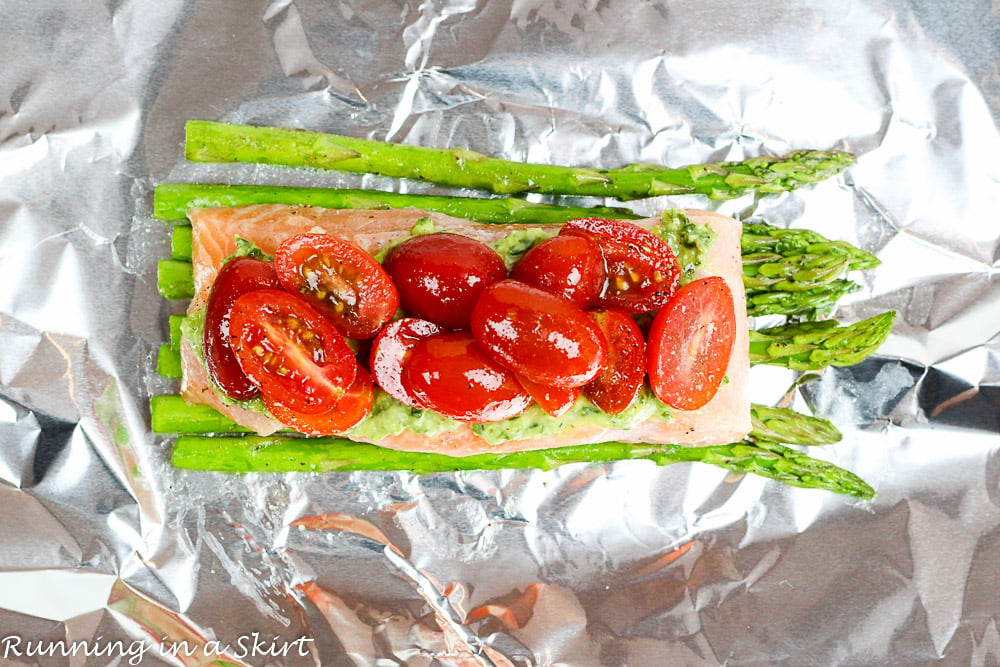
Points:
(110, 555)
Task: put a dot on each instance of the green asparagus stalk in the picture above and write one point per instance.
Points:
(291, 454)
(173, 414)
(168, 361)
(172, 201)
(809, 346)
(219, 142)
(789, 427)
(175, 279)
(810, 304)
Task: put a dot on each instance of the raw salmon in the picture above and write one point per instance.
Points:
(726, 418)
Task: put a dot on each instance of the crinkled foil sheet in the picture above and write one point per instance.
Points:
(101, 541)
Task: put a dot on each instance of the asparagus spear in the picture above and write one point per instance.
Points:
(219, 142)
(173, 414)
(175, 279)
(807, 346)
(172, 201)
(291, 454)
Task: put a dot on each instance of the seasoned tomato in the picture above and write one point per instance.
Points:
(642, 271)
(440, 276)
(391, 349)
(237, 277)
(347, 412)
(450, 374)
(556, 401)
(339, 280)
(290, 351)
(618, 385)
(572, 266)
(690, 342)
(541, 335)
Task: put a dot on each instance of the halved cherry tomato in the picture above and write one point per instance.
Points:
(450, 374)
(236, 277)
(690, 343)
(556, 401)
(642, 269)
(347, 412)
(440, 276)
(618, 385)
(294, 354)
(338, 279)
(572, 266)
(541, 335)
(390, 351)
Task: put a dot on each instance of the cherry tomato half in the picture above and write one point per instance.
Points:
(541, 335)
(236, 277)
(390, 351)
(347, 412)
(556, 401)
(294, 354)
(338, 279)
(618, 384)
(642, 270)
(569, 265)
(440, 276)
(450, 374)
(690, 343)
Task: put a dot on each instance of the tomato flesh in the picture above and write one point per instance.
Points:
(237, 277)
(440, 276)
(338, 279)
(290, 351)
(619, 383)
(543, 336)
(346, 413)
(572, 266)
(450, 374)
(556, 401)
(642, 270)
(390, 351)
(690, 344)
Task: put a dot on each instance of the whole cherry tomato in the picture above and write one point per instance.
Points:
(642, 270)
(347, 412)
(236, 277)
(440, 276)
(338, 279)
(618, 384)
(572, 266)
(390, 351)
(690, 343)
(294, 354)
(450, 374)
(543, 336)
(556, 401)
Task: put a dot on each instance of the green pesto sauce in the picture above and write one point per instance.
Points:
(388, 417)
(513, 246)
(689, 241)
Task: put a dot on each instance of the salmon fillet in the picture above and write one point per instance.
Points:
(725, 419)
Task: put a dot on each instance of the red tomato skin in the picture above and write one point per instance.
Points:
(618, 385)
(340, 280)
(450, 374)
(543, 336)
(237, 277)
(390, 351)
(307, 367)
(642, 270)
(556, 401)
(690, 343)
(572, 266)
(440, 276)
(347, 412)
